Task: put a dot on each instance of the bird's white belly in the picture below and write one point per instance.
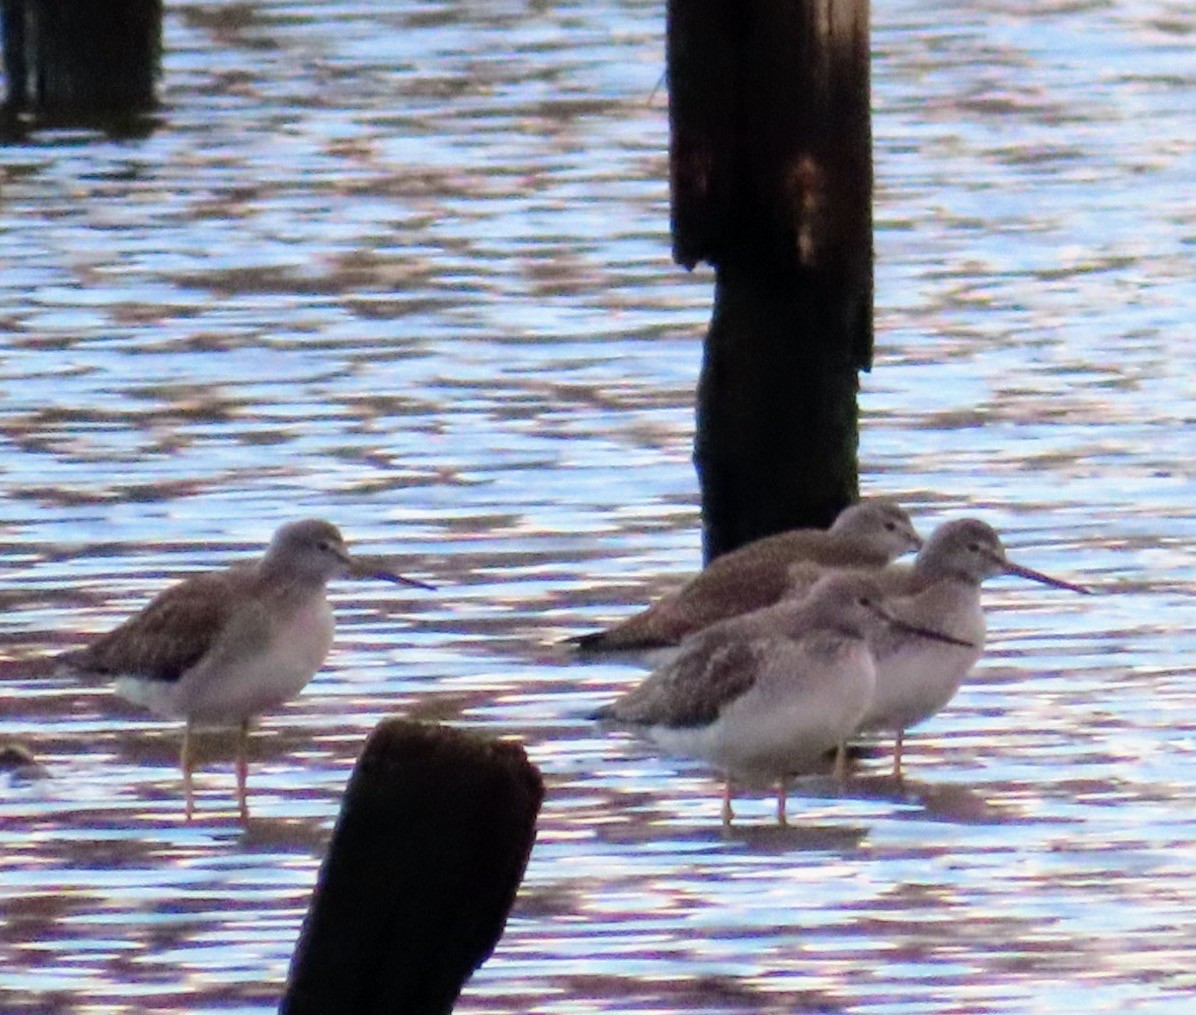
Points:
(916, 677)
(157, 696)
(231, 686)
(763, 736)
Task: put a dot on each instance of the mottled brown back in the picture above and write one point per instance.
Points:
(171, 633)
(692, 690)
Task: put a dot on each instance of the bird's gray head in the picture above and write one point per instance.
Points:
(848, 601)
(311, 549)
(879, 523)
(969, 550)
(314, 550)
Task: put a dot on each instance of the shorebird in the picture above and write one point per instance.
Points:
(770, 695)
(869, 534)
(221, 648)
(915, 678)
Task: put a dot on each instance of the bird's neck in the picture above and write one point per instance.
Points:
(805, 620)
(856, 547)
(288, 584)
(927, 573)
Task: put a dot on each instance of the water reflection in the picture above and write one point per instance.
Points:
(405, 266)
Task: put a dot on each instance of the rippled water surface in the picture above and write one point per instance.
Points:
(405, 265)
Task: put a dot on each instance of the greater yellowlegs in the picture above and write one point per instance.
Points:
(763, 701)
(220, 648)
(869, 534)
(915, 678)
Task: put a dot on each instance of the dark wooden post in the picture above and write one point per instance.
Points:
(771, 174)
(432, 840)
(12, 24)
(79, 59)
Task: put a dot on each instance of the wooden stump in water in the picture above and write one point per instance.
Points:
(78, 59)
(771, 176)
(434, 834)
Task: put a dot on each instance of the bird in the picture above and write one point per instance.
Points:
(221, 648)
(769, 695)
(916, 677)
(869, 534)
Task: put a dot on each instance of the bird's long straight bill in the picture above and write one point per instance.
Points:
(924, 632)
(402, 579)
(378, 567)
(1043, 579)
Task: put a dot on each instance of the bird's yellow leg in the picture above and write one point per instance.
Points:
(840, 772)
(187, 764)
(728, 814)
(243, 771)
(898, 743)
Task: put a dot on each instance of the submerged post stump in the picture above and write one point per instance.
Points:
(76, 59)
(433, 837)
(771, 176)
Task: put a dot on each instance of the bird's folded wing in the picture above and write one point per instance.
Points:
(724, 589)
(720, 592)
(167, 637)
(692, 690)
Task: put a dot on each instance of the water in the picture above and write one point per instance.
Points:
(405, 266)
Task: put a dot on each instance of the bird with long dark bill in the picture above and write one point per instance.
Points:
(941, 590)
(220, 648)
(869, 534)
(770, 695)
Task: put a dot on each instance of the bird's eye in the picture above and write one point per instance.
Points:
(324, 545)
(973, 547)
(890, 526)
(865, 601)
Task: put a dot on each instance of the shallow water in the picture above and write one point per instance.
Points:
(406, 266)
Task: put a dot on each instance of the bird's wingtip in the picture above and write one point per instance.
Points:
(589, 642)
(605, 714)
(76, 664)
(67, 664)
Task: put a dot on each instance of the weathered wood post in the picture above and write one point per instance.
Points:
(771, 175)
(434, 833)
(75, 59)
(12, 26)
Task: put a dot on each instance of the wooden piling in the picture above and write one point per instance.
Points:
(68, 60)
(771, 176)
(12, 27)
(433, 836)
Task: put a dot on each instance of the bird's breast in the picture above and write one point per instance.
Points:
(915, 677)
(229, 686)
(807, 696)
(302, 640)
